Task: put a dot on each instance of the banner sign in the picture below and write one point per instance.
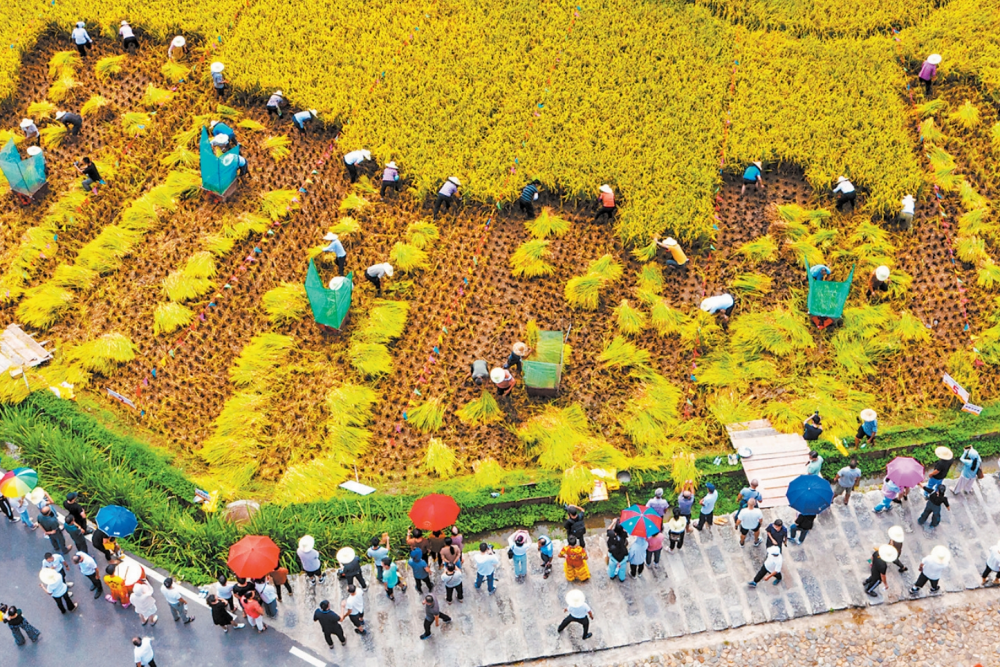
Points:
(956, 388)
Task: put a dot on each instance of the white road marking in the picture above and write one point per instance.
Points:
(299, 653)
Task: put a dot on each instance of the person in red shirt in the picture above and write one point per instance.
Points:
(606, 204)
(254, 611)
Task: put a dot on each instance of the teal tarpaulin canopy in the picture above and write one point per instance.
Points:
(827, 297)
(217, 173)
(543, 371)
(26, 177)
(329, 306)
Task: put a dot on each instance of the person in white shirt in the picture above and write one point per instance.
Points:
(992, 564)
(931, 569)
(88, 568)
(268, 595)
(376, 272)
(578, 611)
(446, 194)
(310, 559)
(354, 608)
(721, 306)
(274, 103)
(846, 191)
(143, 652)
(128, 37)
(771, 569)
(905, 218)
(81, 38)
(301, 118)
(748, 520)
(30, 129)
(452, 580)
(176, 602)
(486, 566)
(353, 159)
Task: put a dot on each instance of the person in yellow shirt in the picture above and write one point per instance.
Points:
(677, 259)
(119, 591)
(576, 561)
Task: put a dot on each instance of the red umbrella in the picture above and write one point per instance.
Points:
(641, 520)
(434, 512)
(253, 557)
(906, 472)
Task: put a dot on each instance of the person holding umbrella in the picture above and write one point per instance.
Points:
(809, 495)
(800, 528)
(578, 611)
(253, 557)
(905, 472)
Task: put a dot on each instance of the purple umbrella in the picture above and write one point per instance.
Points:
(905, 471)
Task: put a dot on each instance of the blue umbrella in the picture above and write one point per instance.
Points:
(641, 520)
(116, 521)
(809, 494)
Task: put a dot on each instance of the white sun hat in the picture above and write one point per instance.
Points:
(313, 112)
(60, 114)
(888, 553)
(497, 375)
(278, 92)
(80, 24)
(124, 22)
(307, 542)
(345, 555)
(220, 140)
(49, 576)
(934, 59)
(27, 122)
(882, 272)
(908, 199)
(388, 270)
(941, 554)
(841, 179)
(391, 164)
(575, 598)
(330, 236)
(217, 66)
(868, 415)
(669, 242)
(944, 453)
(607, 188)
(454, 179)
(178, 41)
(896, 534)
(34, 150)
(336, 282)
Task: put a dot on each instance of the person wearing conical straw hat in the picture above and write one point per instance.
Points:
(992, 564)
(376, 273)
(503, 380)
(577, 611)
(878, 281)
(337, 248)
(846, 194)
(81, 39)
(880, 560)
(274, 103)
(928, 70)
(606, 203)
(932, 508)
(129, 39)
(177, 45)
(752, 176)
(350, 567)
(868, 428)
(677, 257)
(939, 472)
(518, 351)
(390, 178)
(72, 120)
(446, 194)
(30, 129)
(53, 584)
(931, 569)
(905, 218)
(896, 537)
(301, 118)
(310, 559)
(353, 159)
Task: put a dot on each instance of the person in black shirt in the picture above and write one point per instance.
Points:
(802, 525)
(574, 524)
(777, 534)
(89, 170)
(940, 470)
(617, 551)
(329, 622)
(13, 618)
(879, 568)
(811, 428)
(76, 534)
(49, 522)
(933, 507)
(76, 511)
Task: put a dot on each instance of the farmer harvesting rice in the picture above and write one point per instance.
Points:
(218, 81)
(905, 218)
(274, 104)
(503, 380)
(89, 170)
(82, 39)
(376, 273)
(301, 118)
(878, 281)
(677, 257)
(819, 272)
(390, 178)
(446, 194)
(721, 305)
(518, 352)
(352, 160)
(752, 176)
(606, 203)
(526, 202)
(72, 120)
(128, 37)
(30, 129)
(337, 248)
(177, 45)
(846, 192)
(480, 371)
(217, 127)
(928, 71)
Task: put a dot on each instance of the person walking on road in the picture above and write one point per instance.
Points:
(82, 41)
(706, 514)
(617, 551)
(354, 608)
(972, 463)
(932, 509)
(880, 560)
(992, 564)
(890, 491)
(546, 551)
(517, 545)
(421, 574)
(88, 568)
(144, 602)
(49, 522)
(847, 480)
(15, 620)
(658, 503)
(58, 563)
(54, 585)
(329, 623)
(575, 525)
(748, 521)
(896, 537)
(675, 530)
(350, 567)
(452, 580)
(939, 472)
(931, 569)
(220, 615)
(770, 569)
(577, 611)
(176, 601)
(432, 615)
(76, 534)
(486, 567)
(575, 567)
(143, 652)
(310, 560)
(800, 527)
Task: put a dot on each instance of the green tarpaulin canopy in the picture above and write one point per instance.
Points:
(26, 177)
(329, 306)
(827, 297)
(217, 173)
(543, 371)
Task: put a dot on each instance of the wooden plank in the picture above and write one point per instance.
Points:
(792, 468)
(748, 426)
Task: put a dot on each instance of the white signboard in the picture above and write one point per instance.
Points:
(956, 388)
(972, 409)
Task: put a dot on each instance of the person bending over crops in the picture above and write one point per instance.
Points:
(337, 248)
(905, 219)
(446, 194)
(242, 169)
(390, 178)
(352, 160)
(845, 192)
(82, 39)
(721, 306)
(752, 176)
(274, 104)
(503, 380)
(129, 39)
(30, 130)
(72, 120)
(480, 371)
(928, 70)
(526, 202)
(677, 257)
(878, 281)
(301, 118)
(178, 45)
(218, 81)
(819, 272)
(91, 177)
(518, 352)
(606, 203)
(376, 273)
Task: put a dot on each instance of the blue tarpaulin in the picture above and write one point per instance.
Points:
(26, 176)
(217, 173)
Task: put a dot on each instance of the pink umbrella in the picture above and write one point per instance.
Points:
(905, 471)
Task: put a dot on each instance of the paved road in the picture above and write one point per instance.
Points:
(98, 633)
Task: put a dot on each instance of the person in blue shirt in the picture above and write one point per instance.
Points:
(545, 551)
(751, 175)
(242, 169)
(526, 202)
(337, 248)
(301, 118)
(868, 429)
(420, 571)
(819, 272)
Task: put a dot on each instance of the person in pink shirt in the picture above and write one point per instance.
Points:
(254, 612)
(654, 549)
(928, 71)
